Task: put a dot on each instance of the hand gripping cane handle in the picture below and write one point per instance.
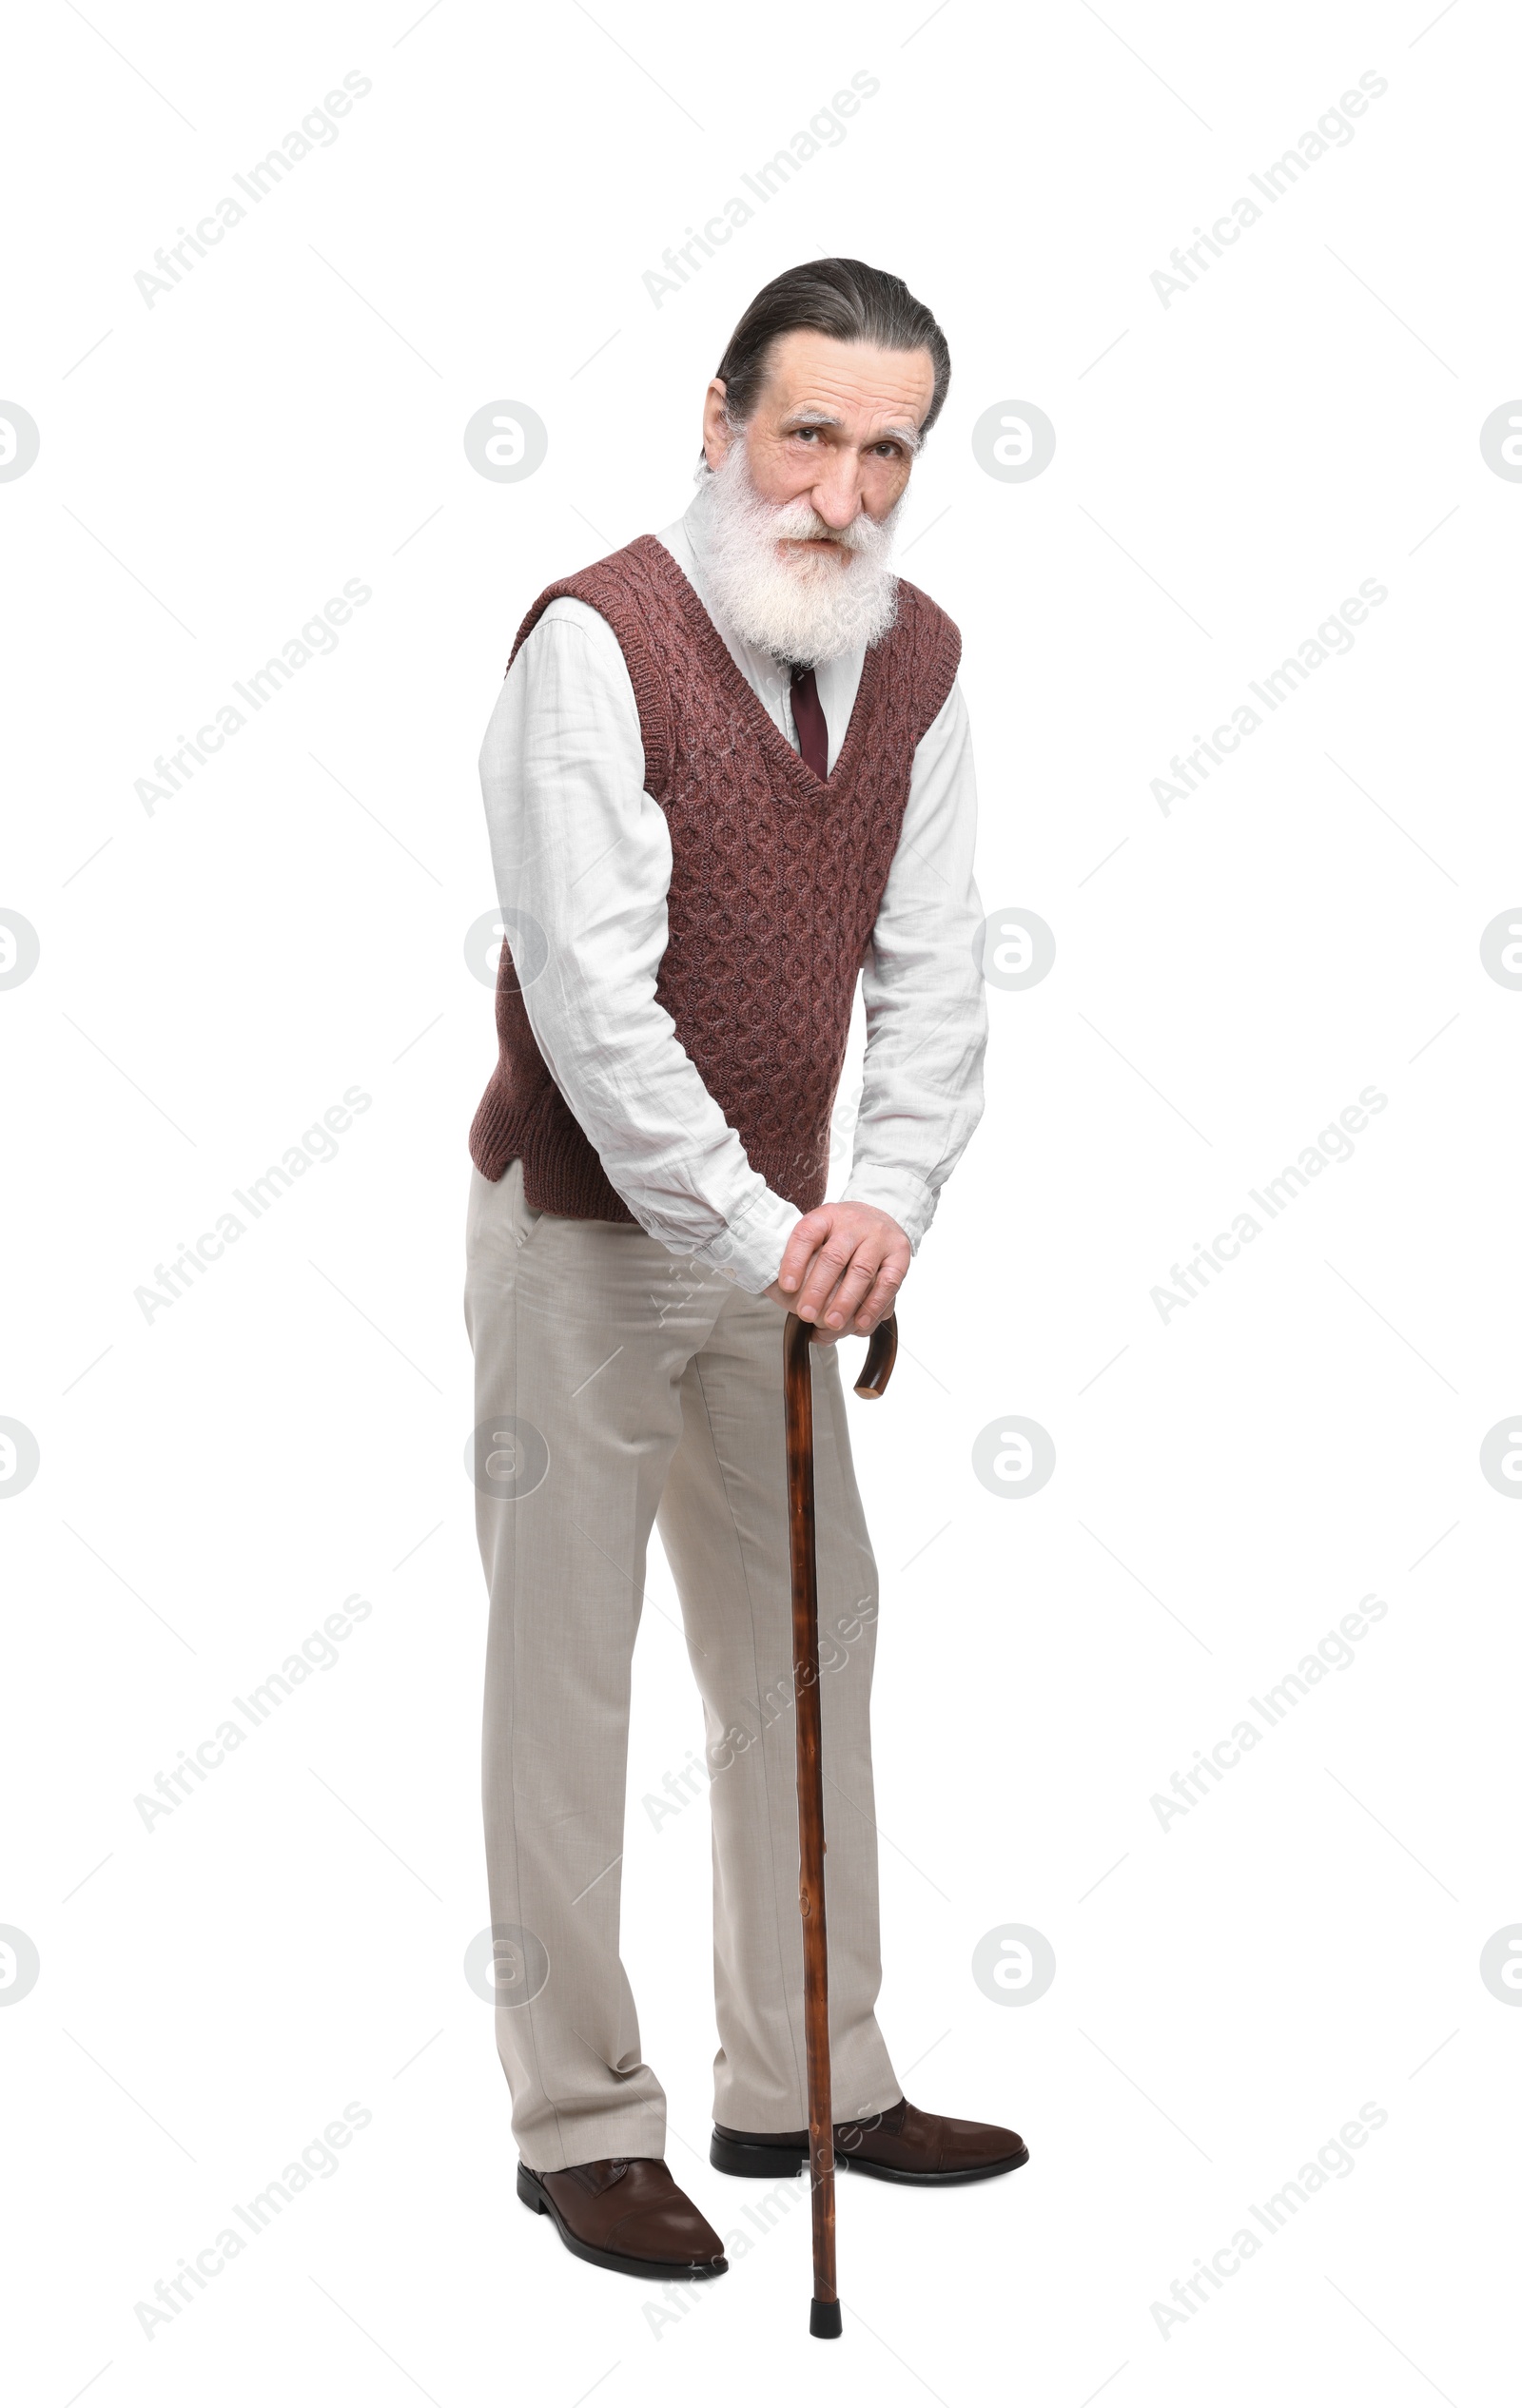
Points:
(824, 2314)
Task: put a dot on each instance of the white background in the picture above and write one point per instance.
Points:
(1229, 1482)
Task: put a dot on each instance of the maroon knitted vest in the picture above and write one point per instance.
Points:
(776, 879)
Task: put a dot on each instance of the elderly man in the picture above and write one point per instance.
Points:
(728, 769)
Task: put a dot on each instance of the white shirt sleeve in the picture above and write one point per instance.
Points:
(923, 991)
(578, 844)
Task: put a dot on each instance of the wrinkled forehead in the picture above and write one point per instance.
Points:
(860, 388)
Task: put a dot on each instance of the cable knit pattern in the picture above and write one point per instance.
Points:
(776, 880)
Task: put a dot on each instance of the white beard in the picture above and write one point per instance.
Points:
(803, 606)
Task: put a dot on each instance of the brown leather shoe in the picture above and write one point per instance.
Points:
(903, 2145)
(627, 2213)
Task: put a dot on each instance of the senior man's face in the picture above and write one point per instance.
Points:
(836, 424)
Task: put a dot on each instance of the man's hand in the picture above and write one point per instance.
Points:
(841, 1269)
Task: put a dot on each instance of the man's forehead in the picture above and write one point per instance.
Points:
(814, 377)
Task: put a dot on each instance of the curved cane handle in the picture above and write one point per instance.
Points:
(882, 1352)
(877, 1365)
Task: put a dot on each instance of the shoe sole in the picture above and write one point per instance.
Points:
(533, 2195)
(757, 2163)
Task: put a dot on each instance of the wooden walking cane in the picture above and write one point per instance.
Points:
(824, 2313)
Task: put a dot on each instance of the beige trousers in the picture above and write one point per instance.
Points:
(618, 1385)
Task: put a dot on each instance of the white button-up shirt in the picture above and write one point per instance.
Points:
(581, 847)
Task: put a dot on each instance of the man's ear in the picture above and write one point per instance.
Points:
(717, 432)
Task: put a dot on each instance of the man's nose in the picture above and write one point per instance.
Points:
(837, 495)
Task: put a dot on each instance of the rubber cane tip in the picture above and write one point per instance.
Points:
(823, 2320)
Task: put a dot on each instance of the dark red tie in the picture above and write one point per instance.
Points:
(808, 718)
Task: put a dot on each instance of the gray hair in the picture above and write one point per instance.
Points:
(842, 298)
